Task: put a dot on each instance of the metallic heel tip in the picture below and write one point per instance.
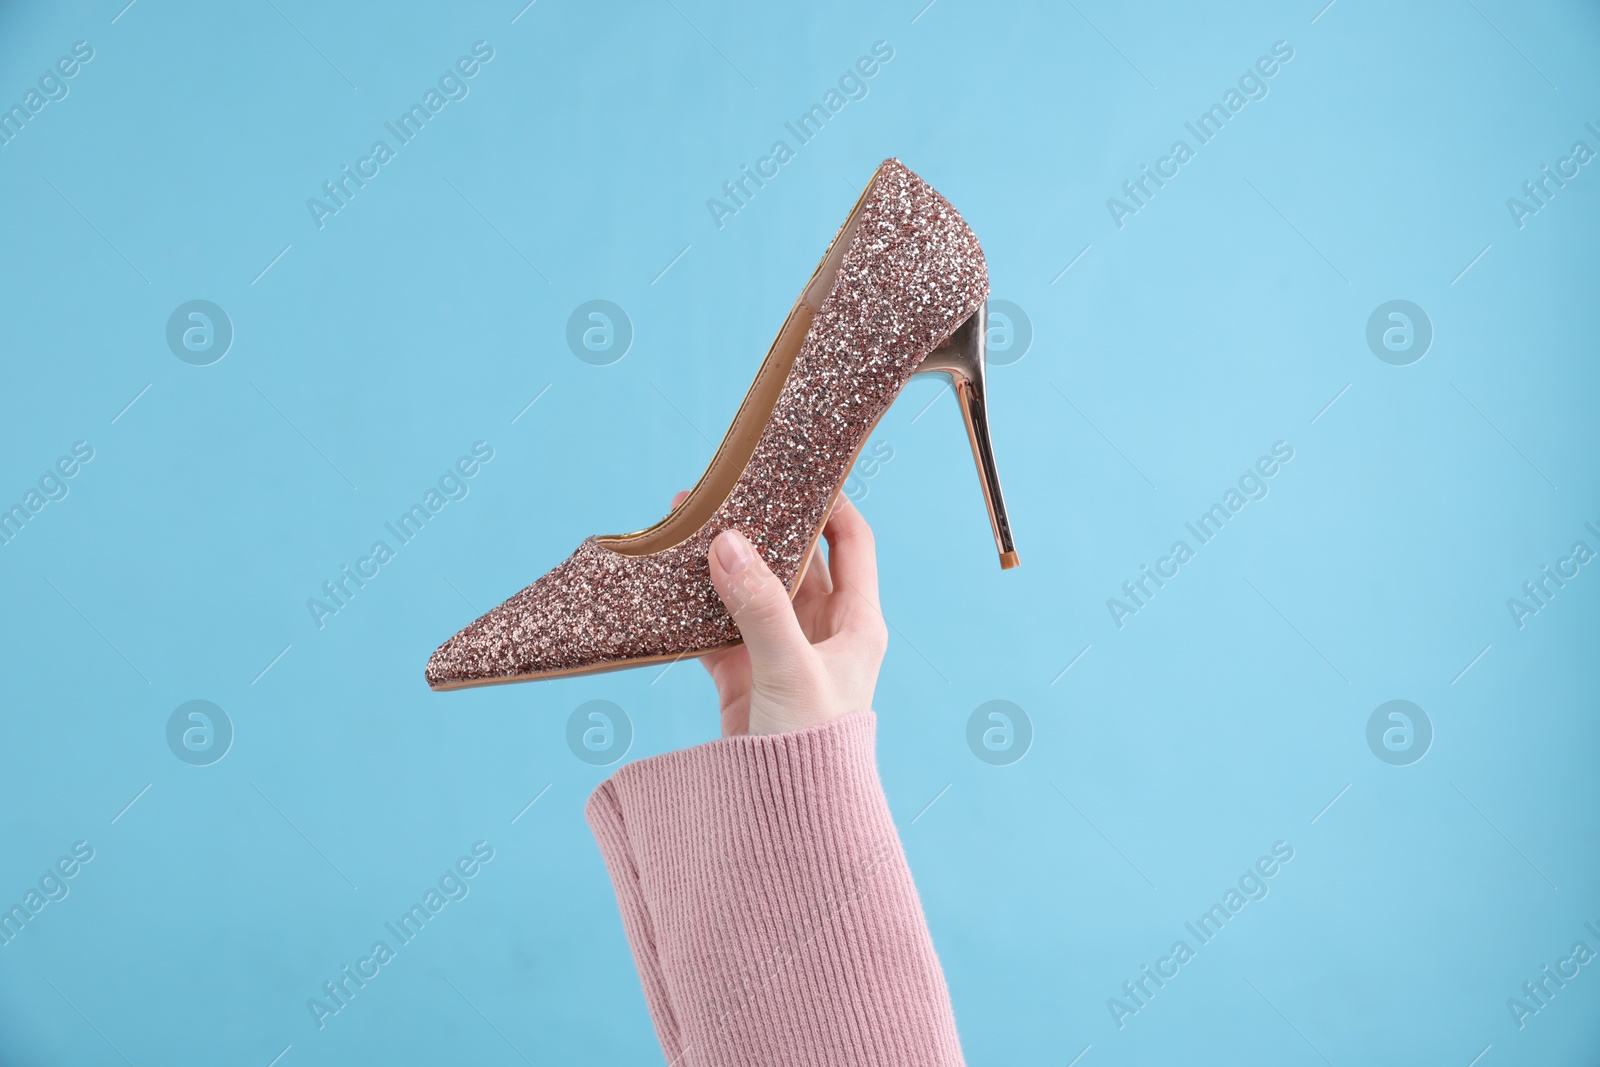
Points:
(1008, 560)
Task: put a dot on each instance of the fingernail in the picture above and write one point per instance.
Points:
(733, 551)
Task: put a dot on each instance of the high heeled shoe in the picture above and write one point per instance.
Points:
(900, 291)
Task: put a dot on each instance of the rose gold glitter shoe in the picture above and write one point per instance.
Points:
(900, 291)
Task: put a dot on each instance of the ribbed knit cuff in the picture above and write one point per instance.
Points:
(768, 902)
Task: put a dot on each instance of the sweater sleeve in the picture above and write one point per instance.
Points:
(769, 906)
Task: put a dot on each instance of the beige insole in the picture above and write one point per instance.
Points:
(739, 444)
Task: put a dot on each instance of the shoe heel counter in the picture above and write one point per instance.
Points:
(947, 244)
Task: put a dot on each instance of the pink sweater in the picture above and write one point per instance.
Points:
(771, 912)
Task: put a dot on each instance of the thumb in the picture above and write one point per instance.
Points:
(760, 607)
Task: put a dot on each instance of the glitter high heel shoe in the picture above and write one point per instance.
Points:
(900, 291)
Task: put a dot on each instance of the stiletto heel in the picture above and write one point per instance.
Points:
(900, 290)
(962, 357)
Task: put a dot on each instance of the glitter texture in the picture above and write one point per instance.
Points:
(912, 273)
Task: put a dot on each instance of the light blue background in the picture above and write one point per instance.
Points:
(1223, 317)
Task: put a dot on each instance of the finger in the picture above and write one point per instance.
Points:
(678, 498)
(713, 661)
(729, 669)
(812, 603)
(760, 607)
(852, 556)
(816, 581)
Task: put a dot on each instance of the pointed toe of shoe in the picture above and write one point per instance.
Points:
(455, 663)
(596, 611)
(506, 644)
(500, 645)
(542, 630)
(524, 637)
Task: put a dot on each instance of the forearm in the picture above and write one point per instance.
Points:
(768, 902)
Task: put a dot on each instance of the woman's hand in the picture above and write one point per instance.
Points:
(807, 662)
